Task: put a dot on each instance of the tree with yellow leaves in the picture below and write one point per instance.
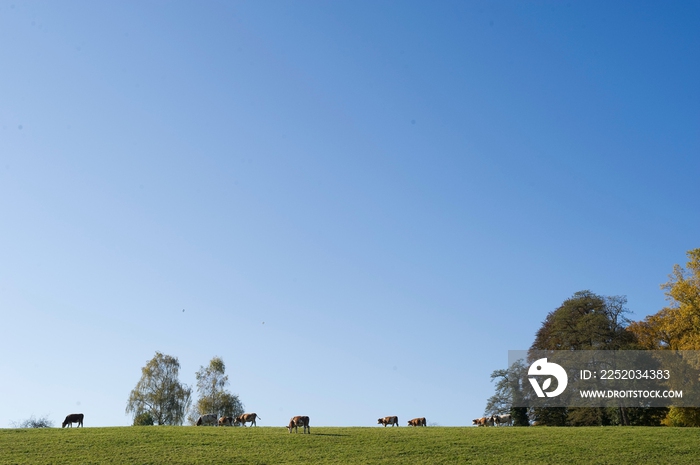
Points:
(676, 327)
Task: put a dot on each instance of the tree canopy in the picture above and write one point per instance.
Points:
(160, 393)
(509, 384)
(586, 321)
(214, 397)
(677, 326)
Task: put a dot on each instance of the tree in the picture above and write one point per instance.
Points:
(143, 419)
(213, 395)
(677, 326)
(31, 422)
(509, 392)
(160, 393)
(585, 321)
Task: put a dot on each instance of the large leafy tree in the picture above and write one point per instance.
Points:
(677, 326)
(214, 398)
(159, 393)
(585, 321)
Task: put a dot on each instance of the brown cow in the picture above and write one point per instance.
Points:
(417, 422)
(295, 422)
(73, 418)
(388, 421)
(483, 421)
(247, 417)
(226, 421)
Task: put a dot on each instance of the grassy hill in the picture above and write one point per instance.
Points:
(433, 445)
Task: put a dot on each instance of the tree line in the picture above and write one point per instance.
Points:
(587, 321)
(159, 397)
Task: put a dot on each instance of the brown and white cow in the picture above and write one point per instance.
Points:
(483, 421)
(417, 422)
(73, 418)
(247, 417)
(393, 421)
(295, 422)
(209, 419)
(499, 420)
(226, 421)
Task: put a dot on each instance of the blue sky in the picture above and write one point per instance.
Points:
(359, 206)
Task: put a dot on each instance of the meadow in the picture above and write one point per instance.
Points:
(356, 445)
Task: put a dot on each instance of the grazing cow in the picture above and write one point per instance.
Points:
(247, 417)
(73, 418)
(226, 421)
(393, 421)
(417, 422)
(499, 420)
(207, 420)
(483, 421)
(295, 422)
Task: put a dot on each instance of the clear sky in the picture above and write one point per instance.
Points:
(360, 206)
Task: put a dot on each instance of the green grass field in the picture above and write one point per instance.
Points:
(432, 445)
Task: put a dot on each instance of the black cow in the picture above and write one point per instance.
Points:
(73, 418)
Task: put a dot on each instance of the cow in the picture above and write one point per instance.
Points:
(499, 420)
(73, 418)
(209, 419)
(247, 417)
(417, 422)
(295, 422)
(393, 421)
(226, 421)
(483, 421)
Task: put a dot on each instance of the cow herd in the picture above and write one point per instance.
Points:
(303, 421)
(394, 421)
(294, 423)
(212, 420)
(494, 420)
